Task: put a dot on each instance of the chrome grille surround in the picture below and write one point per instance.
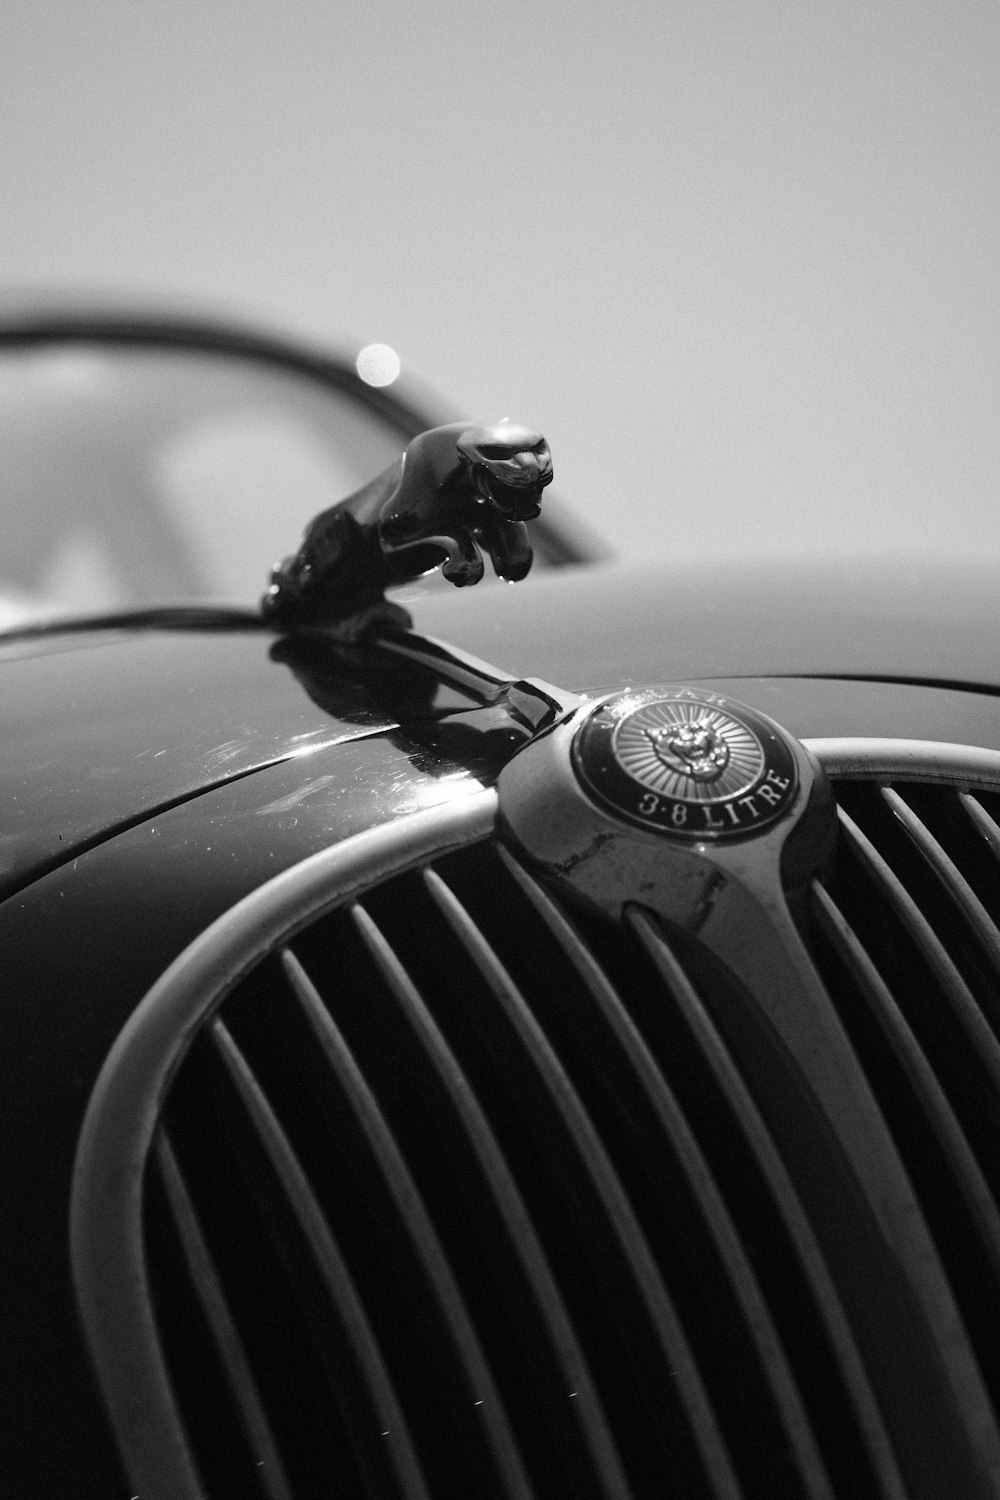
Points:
(681, 1317)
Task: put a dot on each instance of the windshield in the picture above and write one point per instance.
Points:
(135, 474)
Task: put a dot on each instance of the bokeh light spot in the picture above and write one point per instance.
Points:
(377, 364)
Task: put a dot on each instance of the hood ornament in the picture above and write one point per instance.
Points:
(456, 492)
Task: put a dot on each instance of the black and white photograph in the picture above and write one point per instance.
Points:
(500, 761)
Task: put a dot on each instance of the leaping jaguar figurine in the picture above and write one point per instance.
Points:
(456, 492)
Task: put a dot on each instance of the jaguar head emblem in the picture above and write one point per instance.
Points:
(693, 749)
(510, 466)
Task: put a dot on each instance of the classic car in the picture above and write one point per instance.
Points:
(535, 1041)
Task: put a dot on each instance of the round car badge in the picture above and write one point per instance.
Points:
(686, 762)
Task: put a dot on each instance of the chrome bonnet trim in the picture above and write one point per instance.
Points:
(917, 760)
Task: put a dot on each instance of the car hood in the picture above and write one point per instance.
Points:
(917, 620)
(106, 728)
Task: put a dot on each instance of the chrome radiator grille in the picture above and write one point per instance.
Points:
(461, 1193)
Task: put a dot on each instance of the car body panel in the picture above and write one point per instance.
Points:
(106, 728)
(916, 620)
(102, 730)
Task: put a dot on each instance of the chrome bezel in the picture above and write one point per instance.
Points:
(741, 802)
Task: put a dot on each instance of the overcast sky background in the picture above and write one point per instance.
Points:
(737, 258)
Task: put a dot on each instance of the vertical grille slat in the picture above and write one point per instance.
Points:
(386, 1419)
(486, 1408)
(987, 828)
(953, 987)
(966, 901)
(678, 1137)
(521, 1232)
(607, 1186)
(267, 1460)
(910, 1055)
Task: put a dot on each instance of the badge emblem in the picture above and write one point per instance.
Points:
(687, 762)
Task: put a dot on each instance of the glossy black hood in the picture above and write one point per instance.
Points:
(105, 728)
(917, 621)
